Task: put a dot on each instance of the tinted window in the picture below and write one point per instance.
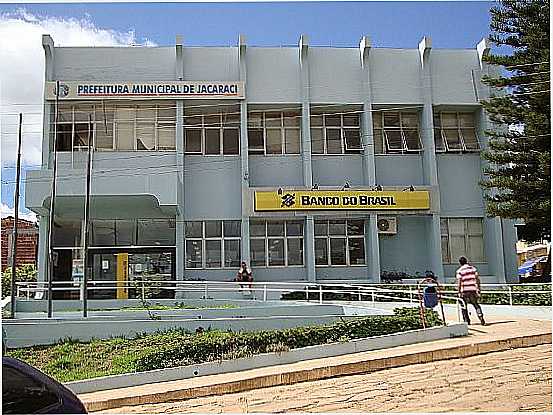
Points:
(23, 395)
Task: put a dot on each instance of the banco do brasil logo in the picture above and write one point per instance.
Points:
(288, 200)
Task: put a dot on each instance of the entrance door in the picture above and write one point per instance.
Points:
(135, 273)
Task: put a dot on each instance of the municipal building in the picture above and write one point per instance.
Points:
(310, 163)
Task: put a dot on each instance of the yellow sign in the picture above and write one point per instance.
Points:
(336, 199)
(122, 276)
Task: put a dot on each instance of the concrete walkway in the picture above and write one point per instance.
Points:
(501, 334)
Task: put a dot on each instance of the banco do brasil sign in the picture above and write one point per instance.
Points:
(334, 200)
(145, 90)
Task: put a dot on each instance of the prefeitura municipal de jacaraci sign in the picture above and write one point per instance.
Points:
(74, 90)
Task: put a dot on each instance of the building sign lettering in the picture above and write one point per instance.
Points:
(351, 199)
(145, 90)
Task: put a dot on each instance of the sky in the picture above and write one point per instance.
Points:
(388, 24)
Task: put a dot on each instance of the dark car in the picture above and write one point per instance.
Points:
(26, 390)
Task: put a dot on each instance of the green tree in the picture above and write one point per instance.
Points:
(24, 273)
(518, 179)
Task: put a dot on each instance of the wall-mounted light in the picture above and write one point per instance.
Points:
(279, 191)
(378, 188)
(346, 186)
(410, 188)
(315, 186)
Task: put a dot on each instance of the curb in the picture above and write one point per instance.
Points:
(318, 373)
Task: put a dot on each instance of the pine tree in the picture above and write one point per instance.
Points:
(518, 179)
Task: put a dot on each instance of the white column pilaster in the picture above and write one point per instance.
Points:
(307, 168)
(430, 167)
(369, 165)
(244, 165)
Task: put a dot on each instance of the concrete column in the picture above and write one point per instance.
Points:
(494, 225)
(179, 135)
(430, 167)
(307, 168)
(305, 112)
(244, 166)
(42, 254)
(369, 165)
(309, 246)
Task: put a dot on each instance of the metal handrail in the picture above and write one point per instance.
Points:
(367, 291)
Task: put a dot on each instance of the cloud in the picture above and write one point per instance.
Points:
(8, 211)
(22, 72)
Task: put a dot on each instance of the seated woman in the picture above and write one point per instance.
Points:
(244, 274)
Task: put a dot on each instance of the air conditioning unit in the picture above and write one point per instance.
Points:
(387, 225)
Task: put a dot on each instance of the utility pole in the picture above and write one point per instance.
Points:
(52, 205)
(16, 219)
(86, 220)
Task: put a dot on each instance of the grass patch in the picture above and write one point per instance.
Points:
(177, 306)
(71, 360)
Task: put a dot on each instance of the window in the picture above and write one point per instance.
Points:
(213, 244)
(124, 127)
(396, 132)
(276, 243)
(21, 394)
(66, 233)
(455, 132)
(73, 129)
(212, 134)
(340, 242)
(335, 134)
(462, 237)
(274, 132)
(133, 232)
(156, 232)
(103, 127)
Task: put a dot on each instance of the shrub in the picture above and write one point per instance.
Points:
(24, 273)
(218, 345)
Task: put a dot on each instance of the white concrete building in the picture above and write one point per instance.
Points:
(310, 163)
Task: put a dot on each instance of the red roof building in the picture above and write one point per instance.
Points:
(27, 242)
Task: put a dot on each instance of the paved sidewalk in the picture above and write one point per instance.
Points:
(509, 381)
(499, 335)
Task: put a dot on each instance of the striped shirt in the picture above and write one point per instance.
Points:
(467, 276)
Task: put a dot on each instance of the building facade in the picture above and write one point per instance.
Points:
(309, 163)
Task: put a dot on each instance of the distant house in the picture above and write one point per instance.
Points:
(27, 242)
(526, 252)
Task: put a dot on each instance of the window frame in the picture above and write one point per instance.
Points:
(342, 128)
(220, 126)
(466, 238)
(382, 130)
(345, 236)
(459, 128)
(134, 108)
(222, 238)
(285, 237)
(283, 115)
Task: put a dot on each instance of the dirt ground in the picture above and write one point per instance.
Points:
(509, 381)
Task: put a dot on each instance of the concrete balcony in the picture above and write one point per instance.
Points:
(123, 184)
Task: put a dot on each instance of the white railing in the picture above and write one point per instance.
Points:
(26, 289)
(263, 291)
